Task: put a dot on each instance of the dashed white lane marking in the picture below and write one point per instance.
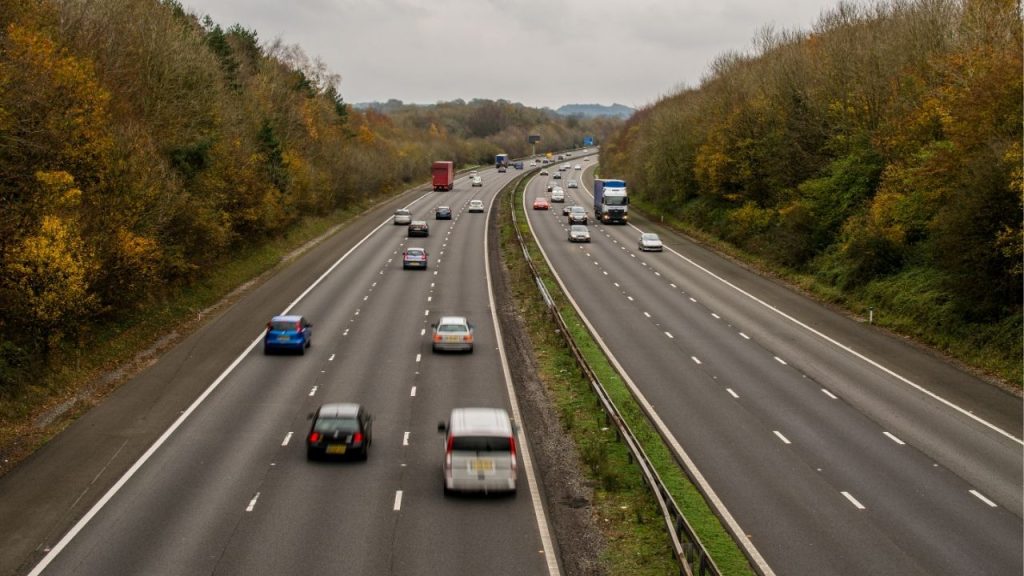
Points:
(673, 285)
(423, 331)
(692, 299)
(405, 439)
(892, 437)
(744, 336)
(429, 298)
(669, 334)
(413, 391)
(780, 361)
(781, 437)
(426, 312)
(981, 497)
(398, 500)
(605, 272)
(331, 359)
(312, 391)
(345, 333)
(419, 357)
(694, 358)
(630, 298)
(616, 284)
(731, 393)
(365, 298)
(657, 273)
(648, 314)
(716, 316)
(287, 439)
(252, 503)
(853, 501)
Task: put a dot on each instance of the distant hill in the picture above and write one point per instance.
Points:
(593, 110)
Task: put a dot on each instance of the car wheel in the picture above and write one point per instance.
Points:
(311, 455)
(365, 454)
(470, 351)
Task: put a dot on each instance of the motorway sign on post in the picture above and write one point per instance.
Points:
(533, 139)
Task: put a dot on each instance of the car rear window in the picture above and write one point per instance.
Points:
(414, 252)
(284, 326)
(451, 328)
(329, 425)
(482, 443)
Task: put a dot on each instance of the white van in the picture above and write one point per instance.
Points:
(480, 451)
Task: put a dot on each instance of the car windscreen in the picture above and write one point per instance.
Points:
(331, 425)
(482, 443)
(616, 200)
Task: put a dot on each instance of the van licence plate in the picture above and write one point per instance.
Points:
(482, 465)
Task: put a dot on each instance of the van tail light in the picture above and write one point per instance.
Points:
(314, 437)
(512, 449)
(448, 453)
(357, 438)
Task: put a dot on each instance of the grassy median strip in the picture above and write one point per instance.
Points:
(635, 534)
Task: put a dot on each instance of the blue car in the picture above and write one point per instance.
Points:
(287, 333)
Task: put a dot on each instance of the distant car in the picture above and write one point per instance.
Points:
(564, 167)
(476, 181)
(577, 167)
(579, 233)
(566, 209)
(476, 205)
(587, 159)
(558, 195)
(403, 216)
(541, 203)
(443, 213)
(413, 257)
(293, 333)
(573, 184)
(544, 172)
(452, 334)
(419, 228)
(649, 241)
(557, 176)
(577, 215)
(339, 430)
(479, 451)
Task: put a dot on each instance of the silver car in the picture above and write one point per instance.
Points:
(403, 217)
(649, 241)
(476, 205)
(479, 451)
(452, 334)
(476, 181)
(579, 233)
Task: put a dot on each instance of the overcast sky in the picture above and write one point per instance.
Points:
(537, 52)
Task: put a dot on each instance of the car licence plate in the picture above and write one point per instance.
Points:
(336, 448)
(482, 465)
(452, 339)
(284, 338)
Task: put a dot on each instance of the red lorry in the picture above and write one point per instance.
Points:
(443, 172)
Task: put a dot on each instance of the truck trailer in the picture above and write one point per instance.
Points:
(501, 162)
(443, 173)
(611, 202)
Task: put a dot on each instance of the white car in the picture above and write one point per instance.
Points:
(577, 167)
(649, 241)
(476, 205)
(452, 334)
(579, 233)
(476, 181)
(573, 184)
(557, 195)
(403, 217)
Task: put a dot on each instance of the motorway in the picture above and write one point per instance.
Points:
(835, 448)
(228, 490)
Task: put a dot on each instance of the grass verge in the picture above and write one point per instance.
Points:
(626, 511)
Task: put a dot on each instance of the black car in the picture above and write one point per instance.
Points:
(577, 215)
(443, 213)
(341, 431)
(419, 228)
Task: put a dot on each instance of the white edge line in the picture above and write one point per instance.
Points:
(84, 520)
(829, 394)
(893, 437)
(524, 449)
(731, 393)
(738, 533)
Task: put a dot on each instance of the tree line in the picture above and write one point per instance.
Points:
(878, 152)
(141, 145)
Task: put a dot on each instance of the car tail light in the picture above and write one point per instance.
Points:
(437, 337)
(357, 438)
(467, 338)
(448, 452)
(512, 449)
(298, 327)
(314, 437)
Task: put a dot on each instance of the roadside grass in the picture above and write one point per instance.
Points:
(906, 304)
(75, 380)
(637, 542)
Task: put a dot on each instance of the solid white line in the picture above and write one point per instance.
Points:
(413, 391)
(694, 358)
(287, 439)
(895, 439)
(398, 500)
(405, 439)
(669, 334)
(733, 394)
(854, 501)
(312, 390)
(829, 394)
(252, 503)
(780, 361)
(979, 496)
(781, 437)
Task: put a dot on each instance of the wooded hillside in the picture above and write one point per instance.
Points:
(141, 146)
(879, 153)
